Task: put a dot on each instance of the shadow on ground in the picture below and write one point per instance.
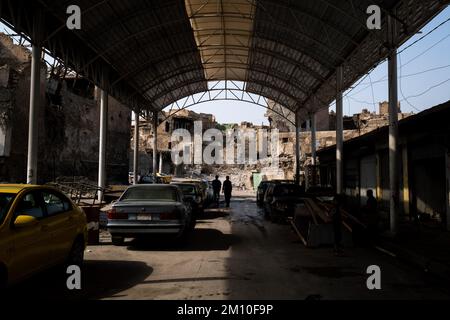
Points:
(100, 279)
(203, 239)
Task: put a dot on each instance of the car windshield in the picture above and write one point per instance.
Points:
(287, 190)
(187, 189)
(160, 193)
(264, 185)
(5, 201)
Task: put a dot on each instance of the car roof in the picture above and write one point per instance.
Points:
(291, 185)
(153, 185)
(16, 188)
(186, 180)
(185, 183)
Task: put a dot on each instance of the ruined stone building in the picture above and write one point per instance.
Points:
(168, 122)
(284, 120)
(354, 126)
(243, 174)
(68, 124)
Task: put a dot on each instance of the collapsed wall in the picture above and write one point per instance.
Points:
(68, 124)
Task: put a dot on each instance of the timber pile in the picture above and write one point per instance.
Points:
(312, 222)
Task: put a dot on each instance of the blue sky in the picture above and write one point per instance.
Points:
(425, 55)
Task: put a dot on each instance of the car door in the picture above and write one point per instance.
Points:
(61, 222)
(31, 250)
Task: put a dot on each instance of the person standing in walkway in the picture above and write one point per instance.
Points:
(227, 188)
(217, 185)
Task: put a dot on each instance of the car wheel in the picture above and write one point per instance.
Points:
(117, 240)
(76, 255)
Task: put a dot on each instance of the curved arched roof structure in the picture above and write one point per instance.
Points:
(155, 52)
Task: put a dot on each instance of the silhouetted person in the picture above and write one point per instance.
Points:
(227, 188)
(217, 185)
(336, 216)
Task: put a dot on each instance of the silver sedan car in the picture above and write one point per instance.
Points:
(149, 209)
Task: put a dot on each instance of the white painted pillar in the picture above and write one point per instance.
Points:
(339, 132)
(297, 148)
(313, 139)
(102, 142)
(447, 166)
(155, 143)
(393, 129)
(160, 162)
(35, 99)
(136, 148)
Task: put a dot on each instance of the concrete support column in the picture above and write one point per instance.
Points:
(405, 191)
(447, 170)
(313, 139)
(339, 132)
(35, 94)
(102, 142)
(393, 128)
(313, 149)
(155, 143)
(160, 162)
(297, 148)
(136, 148)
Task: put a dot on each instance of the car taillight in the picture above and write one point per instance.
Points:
(168, 215)
(114, 215)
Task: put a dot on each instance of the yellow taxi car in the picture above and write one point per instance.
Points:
(40, 227)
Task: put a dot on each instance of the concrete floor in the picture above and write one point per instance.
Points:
(234, 254)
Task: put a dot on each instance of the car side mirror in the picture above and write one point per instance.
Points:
(25, 221)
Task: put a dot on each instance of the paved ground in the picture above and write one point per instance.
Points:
(234, 254)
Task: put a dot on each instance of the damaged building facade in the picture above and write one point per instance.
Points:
(68, 118)
(354, 126)
(168, 122)
(247, 175)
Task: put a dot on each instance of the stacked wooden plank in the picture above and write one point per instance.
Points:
(317, 211)
(313, 223)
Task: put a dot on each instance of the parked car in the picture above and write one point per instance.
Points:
(147, 179)
(281, 199)
(150, 209)
(40, 227)
(209, 193)
(262, 188)
(163, 178)
(203, 185)
(192, 194)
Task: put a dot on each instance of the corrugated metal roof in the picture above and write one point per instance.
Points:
(158, 51)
